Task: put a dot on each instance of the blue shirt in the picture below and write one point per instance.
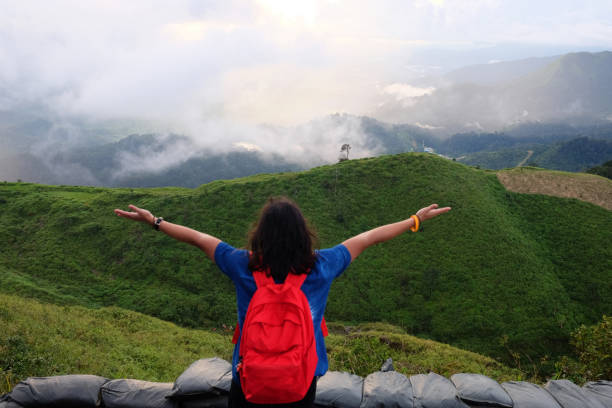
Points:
(329, 265)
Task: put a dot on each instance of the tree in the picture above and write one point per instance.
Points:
(593, 349)
(344, 149)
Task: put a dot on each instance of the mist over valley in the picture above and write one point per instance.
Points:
(524, 105)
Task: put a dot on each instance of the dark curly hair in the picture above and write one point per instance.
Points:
(281, 242)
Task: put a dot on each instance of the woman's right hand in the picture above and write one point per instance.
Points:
(205, 242)
(138, 214)
(431, 211)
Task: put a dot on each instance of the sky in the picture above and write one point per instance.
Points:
(280, 62)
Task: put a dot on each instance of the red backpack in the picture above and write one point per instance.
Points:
(278, 354)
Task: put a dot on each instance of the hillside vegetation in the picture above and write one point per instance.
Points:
(501, 273)
(604, 170)
(39, 339)
(574, 155)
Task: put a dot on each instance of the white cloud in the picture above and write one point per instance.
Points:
(406, 91)
(272, 61)
(426, 126)
(250, 147)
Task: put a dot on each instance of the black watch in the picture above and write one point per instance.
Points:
(158, 221)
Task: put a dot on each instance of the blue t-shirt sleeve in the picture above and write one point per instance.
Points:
(230, 260)
(335, 259)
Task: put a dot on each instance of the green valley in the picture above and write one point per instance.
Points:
(502, 273)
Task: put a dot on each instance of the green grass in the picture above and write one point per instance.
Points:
(502, 273)
(362, 349)
(40, 339)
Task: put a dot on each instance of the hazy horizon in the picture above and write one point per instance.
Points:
(260, 75)
(279, 62)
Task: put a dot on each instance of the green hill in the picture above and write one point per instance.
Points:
(501, 273)
(39, 339)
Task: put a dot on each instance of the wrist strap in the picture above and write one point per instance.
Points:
(158, 221)
(417, 223)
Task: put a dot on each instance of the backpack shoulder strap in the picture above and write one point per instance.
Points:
(296, 280)
(262, 279)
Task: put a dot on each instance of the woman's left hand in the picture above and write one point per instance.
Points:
(138, 214)
(431, 211)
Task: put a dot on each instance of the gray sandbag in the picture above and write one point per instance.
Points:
(62, 391)
(203, 377)
(135, 394)
(527, 395)
(600, 390)
(7, 403)
(479, 389)
(387, 389)
(434, 391)
(215, 401)
(569, 395)
(339, 390)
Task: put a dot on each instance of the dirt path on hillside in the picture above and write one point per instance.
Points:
(586, 187)
(529, 153)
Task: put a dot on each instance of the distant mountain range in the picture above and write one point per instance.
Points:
(556, 147)
(150, 160)
(573, 88)
(492, 115)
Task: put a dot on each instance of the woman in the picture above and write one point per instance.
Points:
(281, 243)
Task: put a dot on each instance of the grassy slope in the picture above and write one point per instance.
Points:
(41, 339)
(501, 265)
(586, 187)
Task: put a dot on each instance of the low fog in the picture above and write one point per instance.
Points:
(314, 143)
(266, 76)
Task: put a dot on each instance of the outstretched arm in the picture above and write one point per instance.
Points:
(205, 242)
(357, 244)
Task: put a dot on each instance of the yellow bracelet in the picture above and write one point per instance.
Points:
(417, 223)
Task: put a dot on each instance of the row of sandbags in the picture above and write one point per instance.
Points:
(206, 383)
